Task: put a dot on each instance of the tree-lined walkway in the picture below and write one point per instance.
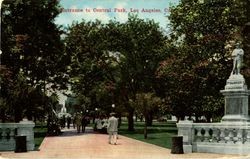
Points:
(89, 145)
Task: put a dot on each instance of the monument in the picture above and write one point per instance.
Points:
(63, 109)
(232, 134)
(63, 112)
(236, 92)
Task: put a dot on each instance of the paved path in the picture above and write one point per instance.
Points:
(89, 145)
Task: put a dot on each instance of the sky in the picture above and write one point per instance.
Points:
(105, 10)
(88, 10)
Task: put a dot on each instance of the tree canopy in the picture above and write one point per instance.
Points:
(32, 51)
(112, 62)
(203, 36)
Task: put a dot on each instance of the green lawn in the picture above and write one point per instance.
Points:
(40, 131)
(159, 134)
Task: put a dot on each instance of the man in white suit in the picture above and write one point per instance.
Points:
(112, 128)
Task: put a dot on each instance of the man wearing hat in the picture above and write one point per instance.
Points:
(112, 128)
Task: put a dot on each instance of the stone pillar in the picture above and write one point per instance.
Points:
(236, 99)
(26, 128)
(185, 130)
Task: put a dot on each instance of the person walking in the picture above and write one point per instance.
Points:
(84, 123)
(68, 121)
(78, 122)
(112, 129)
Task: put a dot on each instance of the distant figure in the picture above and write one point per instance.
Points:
(78, 122)
(104, 125)
(74, 121)
(84, 123)
(62, 122)
(98, 123)
(112, 129)
(237, 56)
(68, 121)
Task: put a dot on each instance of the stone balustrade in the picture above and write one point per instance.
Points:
(223, 137)
(8, 132)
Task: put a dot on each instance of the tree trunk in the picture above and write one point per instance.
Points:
(29, 114)
(18, 115)
(131, 120)
(149, 119)
(145, 130)
(141, 118)
(179, 117)
(3, 117)
(119, 121)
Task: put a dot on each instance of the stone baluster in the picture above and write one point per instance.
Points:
(248, 136)
(1, 133)
(239, 136)
(244, 135)
(12, 132)
(215, 135)
(236, 135)
(207, 135)
(195, 136)
(203, 134)
(198, 135)
(222, 135)
(231, 134)
(8, 131)
(226, 133)
(218, 132)
(12, 136)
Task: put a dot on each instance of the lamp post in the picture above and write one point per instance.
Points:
(113, 107)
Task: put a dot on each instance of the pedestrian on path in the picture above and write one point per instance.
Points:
(78, 122)
(112, 128)
(84, 123)
(68, 121)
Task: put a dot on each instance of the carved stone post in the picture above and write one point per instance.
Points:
(26, 128)
(185, 130)
(236, 99)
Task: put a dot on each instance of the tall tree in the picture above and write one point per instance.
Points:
(31, 40)
(31, 44)
(201, 32)
(119, 58)
(146, 103)
(142, 49)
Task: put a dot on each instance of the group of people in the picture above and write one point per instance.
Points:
(103, 124)
(65, 120)
(108, 125)
(80, 122)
